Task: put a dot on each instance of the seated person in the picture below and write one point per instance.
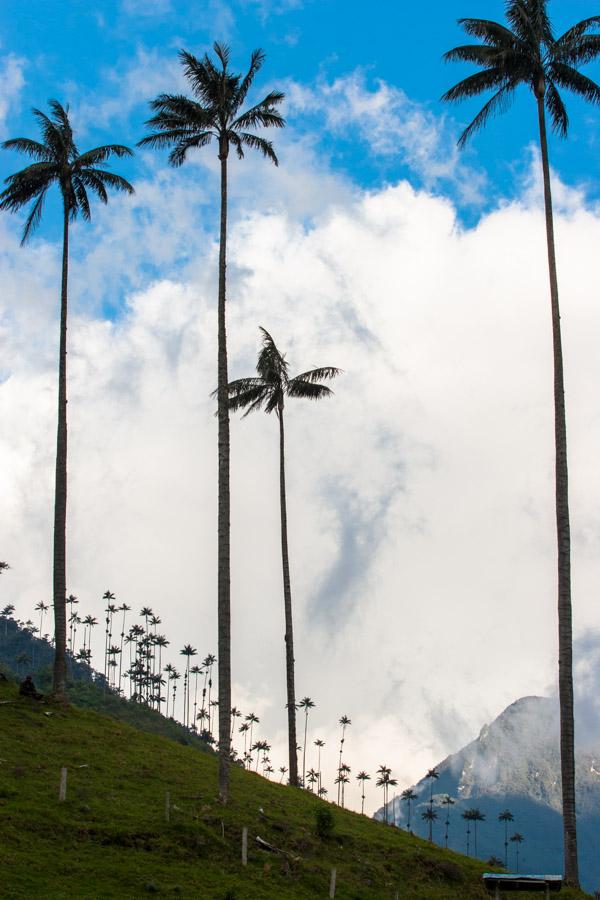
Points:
(27, 689)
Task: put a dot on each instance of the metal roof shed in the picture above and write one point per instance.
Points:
(548, 884)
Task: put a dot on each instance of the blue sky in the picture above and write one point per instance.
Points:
(75, 50)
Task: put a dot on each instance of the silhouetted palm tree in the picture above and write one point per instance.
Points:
(433, 775)
(517, 839)
(430, 815)
(306, 704)
(319, 744)
(362, 777)
(474, 815)
(467, 815)
(344, 722)
(185, 123)
(268, 390)
(57, 160)
(526, 52)
(447, 802)
(408, 795)
(506, 816)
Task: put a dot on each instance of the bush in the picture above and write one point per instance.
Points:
(324, 823)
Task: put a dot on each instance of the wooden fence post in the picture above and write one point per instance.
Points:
(332, 883)
(62, 791)
(244, 846)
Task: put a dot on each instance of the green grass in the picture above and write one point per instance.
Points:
(110, 838)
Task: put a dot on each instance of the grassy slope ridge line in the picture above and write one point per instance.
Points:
(110, 839)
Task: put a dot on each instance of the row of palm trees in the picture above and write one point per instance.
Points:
(524, 51)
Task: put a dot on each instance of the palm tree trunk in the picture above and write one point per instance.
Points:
(565, 632)
(223, 578)
(60, 490)
(287, 601)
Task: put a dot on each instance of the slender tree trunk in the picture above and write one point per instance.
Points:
(224, 584)
(287, 600)
(565, 631)
(60, 490)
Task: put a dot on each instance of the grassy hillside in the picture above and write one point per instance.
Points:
(110, 838)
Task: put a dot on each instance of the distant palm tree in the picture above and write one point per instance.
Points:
(235, 714)
(319, 744)
(467, 815)
(408, 795)
(447, 802)
(344, 722)
(517, 839)
(475, 816)
(124, 609)
(432, 774)
(185, 123)
(283, 770)
(306, 704)
(312, 777)
(244, 729)
(188, 651)
(195, 671)
(526, 52)
(430, 815)
(385, 781)
(268, 390)
(57, 160)
(495, 863)
(362, 777)
(41, 607)
(252, 721)
(506, 816)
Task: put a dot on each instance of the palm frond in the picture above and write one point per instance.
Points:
(111, 180)
(35, 215)
(306, 389)
(492, 33)
(262, 115)
(499, 103)
(90, 179)
(234, 138)
(568, 77)
(257, 59)
(24, 186)
(578, 52)
(320, 374)
(30, 148)
(100, 154)
(557, 110)
(251, 400)
(179, 152)
(475, 84)
(480, 54)
(81, 199)
(576, 32)
(223, 52)
(530, 22)
(258, 143)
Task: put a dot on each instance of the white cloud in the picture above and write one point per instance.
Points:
(12, 81)
(420, 496)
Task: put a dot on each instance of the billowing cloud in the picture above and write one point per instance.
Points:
(12, 81)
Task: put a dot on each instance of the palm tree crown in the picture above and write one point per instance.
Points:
(273, 384)
(526, 53)
(214, 112)
(57, 160)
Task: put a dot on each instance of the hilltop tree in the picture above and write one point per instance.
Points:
(408, 795)
(506, 816)
(185, 123)
(362, 777)
(447, 802)
(269, 390)
(526, 53)
(517, 839)
(56, 160)
(306, 704)
(430, 816)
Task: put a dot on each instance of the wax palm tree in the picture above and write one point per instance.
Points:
(124, 609)
(195, 671)
(42, 608)
(57, 160)
(184, 123)
(344, 722)
(473, 815)
(235, 714)
(188, 651)
(467, 815)
(517, 839)
(447, 802)
(362, 777)
(306, 704)
(506, 816)
(432, 775)
(385, 781)
(252, 721)
(319, 744)
(526, 52)
(408, 795)
(430, 815)
(268, 390)
(283, 770)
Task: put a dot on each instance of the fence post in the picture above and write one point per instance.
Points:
(244, 846)
(167, 806)
(332, 883)
(62, 791)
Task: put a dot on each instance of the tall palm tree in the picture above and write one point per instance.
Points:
(517, 839)
(319, 744)
(430, 815)
(467, 815)
(433, 775)
(409, 795)
(526, 52)
(344, 722)
(447, 802)
(183, 123)
(506, 816)
(57, 160)
(42, 608)
(268, 390)
(306, 704)
(362, 777)
(188, 651)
